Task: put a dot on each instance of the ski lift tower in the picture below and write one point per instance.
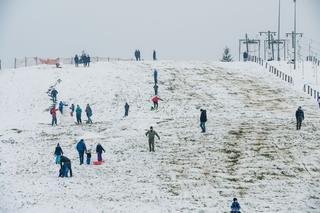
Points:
(248, 42)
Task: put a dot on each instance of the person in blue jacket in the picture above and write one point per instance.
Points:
(61, 105)
(76, 60)
(81, 148)
(78, 114)
(58, 152)
(155, 76)
(235, 206)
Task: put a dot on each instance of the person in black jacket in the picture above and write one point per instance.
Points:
(58, 152)
(65, 167)
(99, 150)
(203, 120)
(126, 109)
(299, 117)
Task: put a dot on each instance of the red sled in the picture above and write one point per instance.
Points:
(97, 162)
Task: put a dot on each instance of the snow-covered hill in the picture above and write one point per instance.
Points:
(251, 151)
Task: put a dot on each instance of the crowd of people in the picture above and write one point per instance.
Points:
(137, 55)
(83, 59)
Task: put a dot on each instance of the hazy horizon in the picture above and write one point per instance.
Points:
(179, 30)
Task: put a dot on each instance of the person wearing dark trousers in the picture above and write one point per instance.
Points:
(203, 120)
(54, 94)
(299, 117)
(72, 110)
(65, 167)
(88, 60)
(235, 206)
(126, 109)
(155, 87)
(88, 153)
(151, 135)
(81, 148)
(76, 60)
(155, 101)
(53, 112)
(89, 114)
(155, 76)
(78, 114)
(99, 150)
(154, 55)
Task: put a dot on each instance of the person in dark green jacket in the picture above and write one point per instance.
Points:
(151, 134)
(78, 114)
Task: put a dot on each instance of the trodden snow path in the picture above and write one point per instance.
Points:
(251, 151)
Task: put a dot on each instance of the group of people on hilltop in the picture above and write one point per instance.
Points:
(61, 105)
(83, 59)
(137, 55)
(65, 162)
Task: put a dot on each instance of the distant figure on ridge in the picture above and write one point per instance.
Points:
(203, 120)
(154, 55)
(126, 109)
(76, 60)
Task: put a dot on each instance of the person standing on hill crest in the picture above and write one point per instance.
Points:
(203, 120)
(155, 76)
(154, 55)
(151, 135)
(299, 117)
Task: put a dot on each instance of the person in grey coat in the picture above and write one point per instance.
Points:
(151, 134)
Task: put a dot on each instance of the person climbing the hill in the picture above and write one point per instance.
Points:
(88, 153)
(72, 110)
(81, 148)
(235, 206)
(155, 76)
(99, 150)
(299, 117)
(76, 60)
(61, 105)
(89, 114)
(78, 114)
(53, 112)
(88, 60)
(65, 167)
(126, 109)
(203, 119)
(58, 152)
(155, 87)
(151, 134)
(54, 94)
(155, 101)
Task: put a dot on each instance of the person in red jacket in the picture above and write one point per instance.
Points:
(155, 101)
(53, 112)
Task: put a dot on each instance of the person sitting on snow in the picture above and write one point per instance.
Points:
(235, 206)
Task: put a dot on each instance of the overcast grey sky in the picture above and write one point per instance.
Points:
(177, 29)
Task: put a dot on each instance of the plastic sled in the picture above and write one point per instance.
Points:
(97, 162)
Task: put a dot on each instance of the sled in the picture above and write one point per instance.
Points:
(97, 162)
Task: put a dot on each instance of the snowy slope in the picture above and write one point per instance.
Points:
(251, 151)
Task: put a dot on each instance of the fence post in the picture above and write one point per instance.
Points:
(315, 94)
(15, 63)
(310, 91)
(25, 61)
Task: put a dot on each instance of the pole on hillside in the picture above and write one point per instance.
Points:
(279, 32)
(295, 34)
(0, 64)
(25, 61)
(15, 63)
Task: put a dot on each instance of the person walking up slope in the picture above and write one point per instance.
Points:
(126, 109)
(81, 148)
(203, 120)
(299, 117)
(53, 112)
(72, 110)
(155, 101)
(54, 94)
(155, 76)
(89, 114)
(78, 114)
(151, 135)
(61, 105)
(99, 150)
